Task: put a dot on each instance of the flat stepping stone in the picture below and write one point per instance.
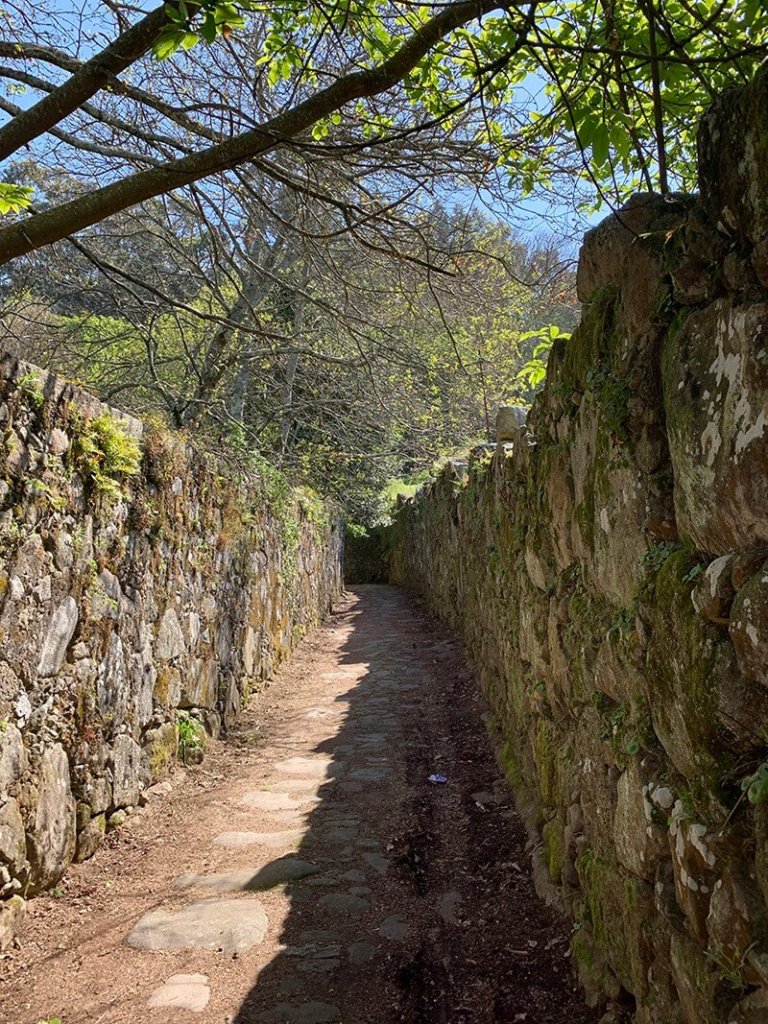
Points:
(313, 766)
(303, 788)
(485, 797)
(311, 713)
(315, 957)
(298, 785)
(394, 927)
(345, 903)
(341, 835)
(287, 869)
(291, 987)
(361, 952)
(377, 862)
(371, 724)
(348, 786)
(182, 992)
(323, 881)
(447, 907)
(369, 844)
(344, 673)
(233, 926)
(354, 876)
(264, 800)
(272, 840)
(309, 1013)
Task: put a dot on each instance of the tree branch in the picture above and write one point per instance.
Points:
(53, 225)
(86, 81)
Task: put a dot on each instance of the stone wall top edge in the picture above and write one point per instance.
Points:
(58, 389)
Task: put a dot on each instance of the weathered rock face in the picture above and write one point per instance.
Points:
(609, 573)
(137, 578)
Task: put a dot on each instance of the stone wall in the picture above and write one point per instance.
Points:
(609, 573)
(141, 585)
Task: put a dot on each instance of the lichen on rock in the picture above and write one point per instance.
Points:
(609, 577)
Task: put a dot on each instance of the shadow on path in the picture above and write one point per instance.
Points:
(414, 903)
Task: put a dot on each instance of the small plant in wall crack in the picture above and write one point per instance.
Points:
(105, 453)
(730, 966)
(32, 389)
(756, 784)
(191, 740)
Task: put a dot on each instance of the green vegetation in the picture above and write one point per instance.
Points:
(755, 785)
(106, 454)
(14, 198)
(534, 370)
(350, 362)
(191, 737)
(730, 967)
(621, 87)
(32, 390)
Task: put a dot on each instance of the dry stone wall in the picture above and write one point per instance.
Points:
(141, 585)
(609, 572)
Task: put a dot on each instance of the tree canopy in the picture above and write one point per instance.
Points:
(293, 227)
(620, 82)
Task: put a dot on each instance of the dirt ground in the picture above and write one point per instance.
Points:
(309, 871)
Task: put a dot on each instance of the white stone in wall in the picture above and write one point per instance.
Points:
(170, 639)
(60, 632)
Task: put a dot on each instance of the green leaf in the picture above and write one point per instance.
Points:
(14, 198)
(751, 9)
(168, 43)
(173, 13)
(621, 141)
(586, 130)
(600, 141)
(208, 28)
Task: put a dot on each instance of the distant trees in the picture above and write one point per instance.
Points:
(346, 363)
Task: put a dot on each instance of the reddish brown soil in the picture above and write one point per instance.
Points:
(480, 946)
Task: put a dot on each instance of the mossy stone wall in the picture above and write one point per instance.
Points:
(609, 573)
(142, 585)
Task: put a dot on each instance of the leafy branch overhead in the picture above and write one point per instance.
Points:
(14, 198)
(608, 93)
(188, 24)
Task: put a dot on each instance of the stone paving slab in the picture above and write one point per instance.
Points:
(233, 926)
(265, 800)
(182, 992)
(273, 840)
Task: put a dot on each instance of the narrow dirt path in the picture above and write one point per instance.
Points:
(309, 872)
